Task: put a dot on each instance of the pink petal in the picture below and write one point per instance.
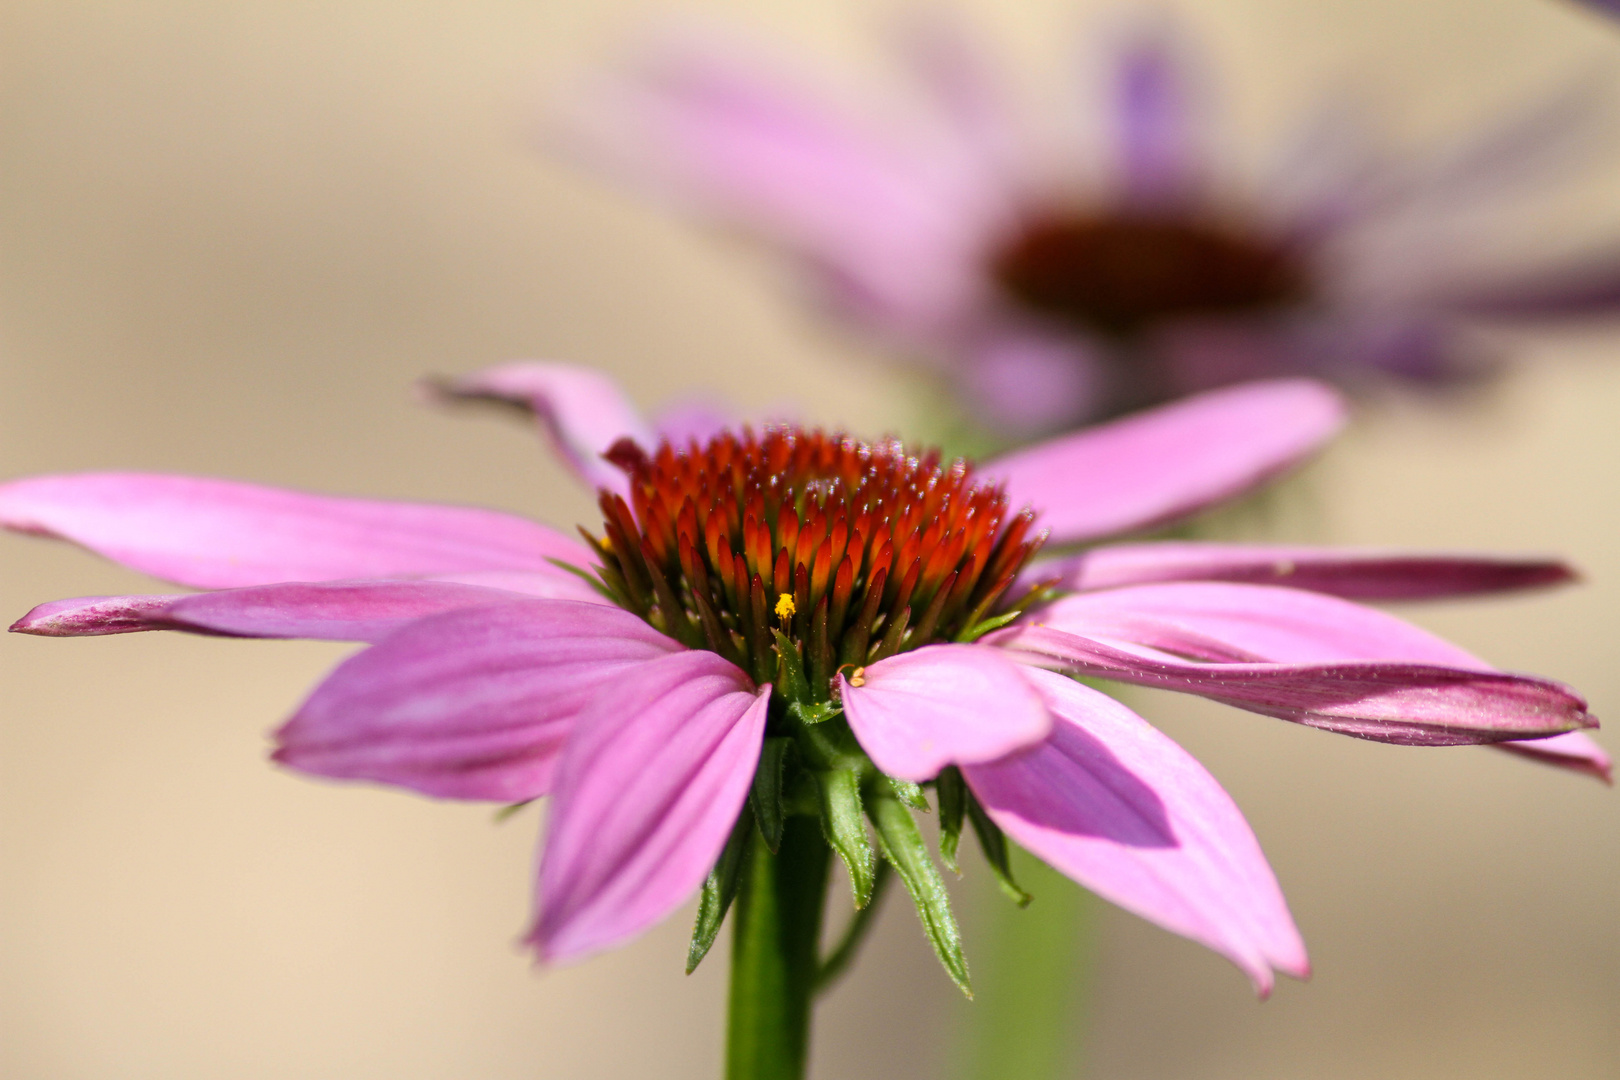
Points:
(584, 411)
(216, 534)
(324, 610)
(471, 704)
(1172, 461)
(95, 616)
(1236, 622)
(1572, 750)
(648, 790)
(1354, 573)
(920, 711)
(1219, 622)
(1120, 808)
(1411, 704)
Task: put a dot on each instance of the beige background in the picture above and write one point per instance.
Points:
(230, 235)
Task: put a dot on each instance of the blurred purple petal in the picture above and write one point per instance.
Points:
(1589, 287)
(691, 421)
(1408, 704)
(646, 794)
(471, 704)
(1158, 126)
(583, 411)
(920, 711)
(1353, 573)
(727, 131)
(1172, 461)
(1026, 382)
(1117, 806)
(216, 534)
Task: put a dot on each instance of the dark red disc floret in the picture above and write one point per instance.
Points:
(853, 550)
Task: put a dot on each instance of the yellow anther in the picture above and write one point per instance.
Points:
(785, 607)
(857, 677)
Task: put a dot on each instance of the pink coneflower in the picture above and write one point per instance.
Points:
(770, 630)
(1055, 278)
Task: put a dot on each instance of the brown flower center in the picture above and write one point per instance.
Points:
(853, 550)
(1119, 274)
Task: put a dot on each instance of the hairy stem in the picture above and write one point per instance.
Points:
(777, 932)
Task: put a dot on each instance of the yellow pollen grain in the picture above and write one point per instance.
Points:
(785, 607)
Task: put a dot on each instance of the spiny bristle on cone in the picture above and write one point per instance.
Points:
(853, 550)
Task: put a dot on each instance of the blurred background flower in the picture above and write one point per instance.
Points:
(1060, 267)
(229, 228)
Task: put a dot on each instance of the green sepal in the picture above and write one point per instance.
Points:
(994, 844)
(719, 889)
(978, 630)
(816, 713)
(795, 687)
(903, 845)
(506, 813)
(951, 791)
(766, 795)
(590, 579)
(908, 793)
(844, 824)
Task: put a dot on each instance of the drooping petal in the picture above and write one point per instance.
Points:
(1572, 750)
(218, 534)
(1410, 704)
(1171, 461)
(1353, 573)
(584, 411)
(471, 704)
(920, 711)
(327, 610)
(1116, 805)
(647, 792)
(1220, 622)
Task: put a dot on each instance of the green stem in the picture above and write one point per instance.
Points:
(777, 931)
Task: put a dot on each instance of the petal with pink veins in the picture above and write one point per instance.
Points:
(1401, 702)
(218, 534)
(1353, 573)
(1572, 750)
(1214, 621)
(647, 792)
(583, 410)
(470, 704)
(1114, 804)
(1219, 622)
(920, 711)
(326, 610)
(1169, 462)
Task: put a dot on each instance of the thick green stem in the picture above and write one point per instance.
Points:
(777, 932)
